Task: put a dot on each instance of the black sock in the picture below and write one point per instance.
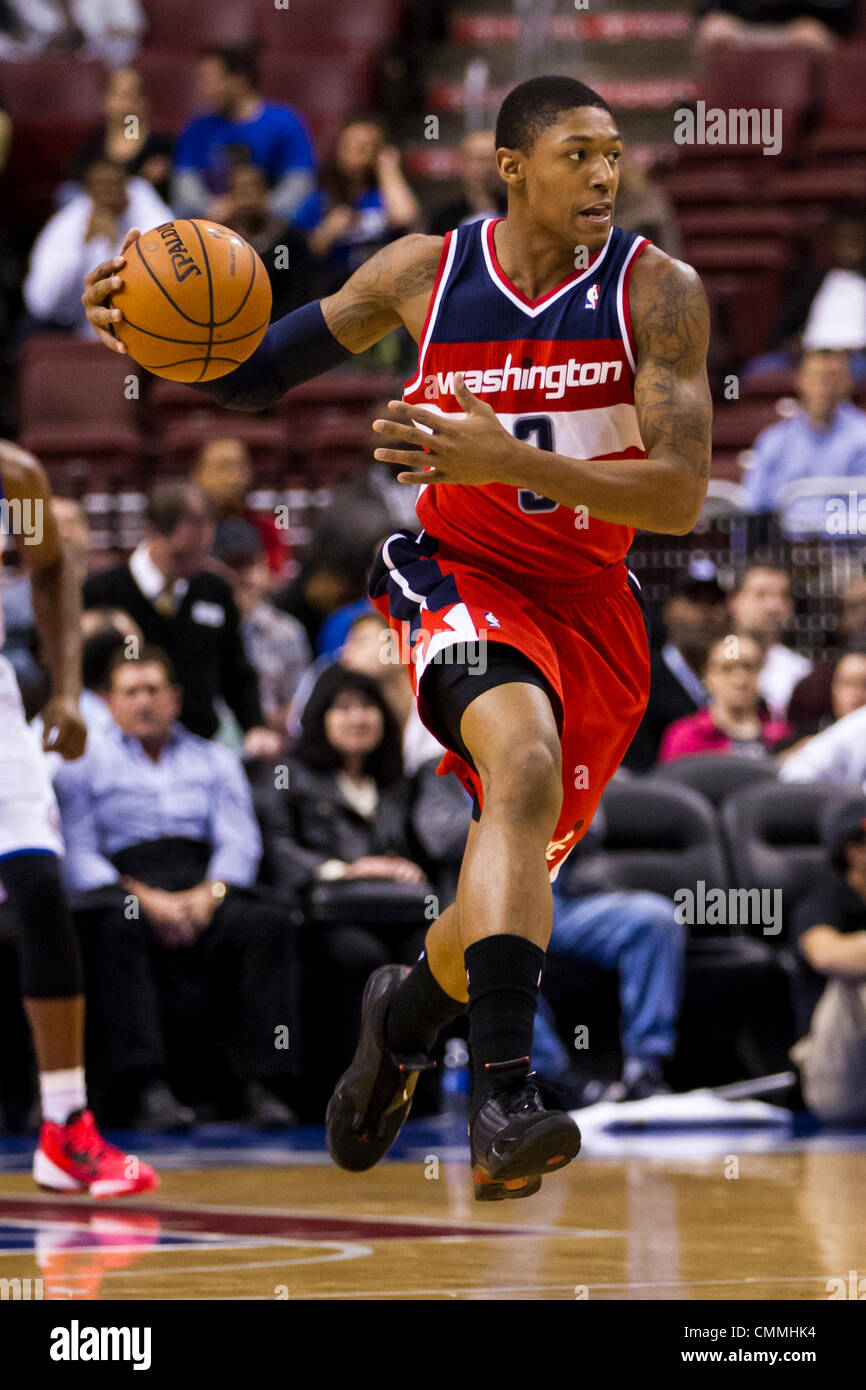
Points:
(504, 974)
(419, 1010)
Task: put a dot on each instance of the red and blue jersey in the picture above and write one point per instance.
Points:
(559, 373)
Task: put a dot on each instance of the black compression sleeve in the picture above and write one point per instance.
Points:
(294, 349)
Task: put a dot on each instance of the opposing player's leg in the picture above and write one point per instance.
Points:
(71, 1156)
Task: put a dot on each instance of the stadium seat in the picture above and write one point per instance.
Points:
(771, 384)
(55, 106)
(363, 25)
(843, 119)
(772, 836)
(658, 836)
(52, 88)
(178, 445)
(323, 83)
(73, 404)
(764, 78)
(737, 424)
(171, 85)
(820, 184)
(179, 26)
(715, 776)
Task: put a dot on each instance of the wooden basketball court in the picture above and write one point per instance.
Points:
(731, 1217)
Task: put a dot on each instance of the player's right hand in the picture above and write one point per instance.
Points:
(103, 281)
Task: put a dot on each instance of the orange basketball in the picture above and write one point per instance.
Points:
(196, 300)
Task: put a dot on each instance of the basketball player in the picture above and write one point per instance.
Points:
(71, 1156)
(562, 400)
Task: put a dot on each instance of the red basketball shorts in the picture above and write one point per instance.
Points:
(587, 638)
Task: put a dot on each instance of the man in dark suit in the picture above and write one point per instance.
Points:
(188, 612)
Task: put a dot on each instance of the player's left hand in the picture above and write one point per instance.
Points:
(473, 450)
(63, 729)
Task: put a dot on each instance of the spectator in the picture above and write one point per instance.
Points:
(825, 439)
(761, 608)
(482, 192)
(838, 754)
(811, 706)
(813, 24)
(332, 582)
(847, 692)
(276, 645)
(734, 721)
(367, 201)
(829, 927)
(638, 935)
(189, 612)
(106, 633)
(108, 29)
(343, 815)
(125, 137)
(91, 225)
(224, 473)
(283, 249)
(153, 811)
(242, 128)
(693, 615)
(643, 206)
(346, 810)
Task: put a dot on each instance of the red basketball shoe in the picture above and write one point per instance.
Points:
(75, 1158)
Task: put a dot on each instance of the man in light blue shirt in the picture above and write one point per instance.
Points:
(826, 439)
(162, 855)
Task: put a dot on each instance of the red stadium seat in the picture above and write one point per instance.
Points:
(737, 425)
(52, 88)
(772, 384)
(361, 23)
(820, 184)
(762, 78)
(843, 121)
(72, 404)
(323, 84)
(182, 26)
(55, 107)
(178, 445)
(170, 82)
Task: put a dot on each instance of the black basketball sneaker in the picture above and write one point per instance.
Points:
(514, 1141)
(373, 1097)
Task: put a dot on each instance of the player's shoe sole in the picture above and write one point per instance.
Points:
(373, 1097)
(514, 1142)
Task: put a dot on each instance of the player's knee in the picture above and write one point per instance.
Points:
(526, 784)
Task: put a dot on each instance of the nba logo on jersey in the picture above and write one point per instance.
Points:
(490, 620)
(591, 296)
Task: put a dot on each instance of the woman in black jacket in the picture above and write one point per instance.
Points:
(337, 830)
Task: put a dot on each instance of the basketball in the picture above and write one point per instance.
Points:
(196, 300)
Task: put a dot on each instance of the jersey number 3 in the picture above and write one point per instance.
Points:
(541, 426)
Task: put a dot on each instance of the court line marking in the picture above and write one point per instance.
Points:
(341, 1250)
(748, 1280)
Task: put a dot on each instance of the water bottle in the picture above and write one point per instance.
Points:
(455, 1079)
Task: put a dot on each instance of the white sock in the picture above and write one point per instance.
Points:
(63, 1092)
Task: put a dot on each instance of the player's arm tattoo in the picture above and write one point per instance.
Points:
(372, 302)
(671, 392)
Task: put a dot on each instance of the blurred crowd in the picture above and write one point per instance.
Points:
(257, 779)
